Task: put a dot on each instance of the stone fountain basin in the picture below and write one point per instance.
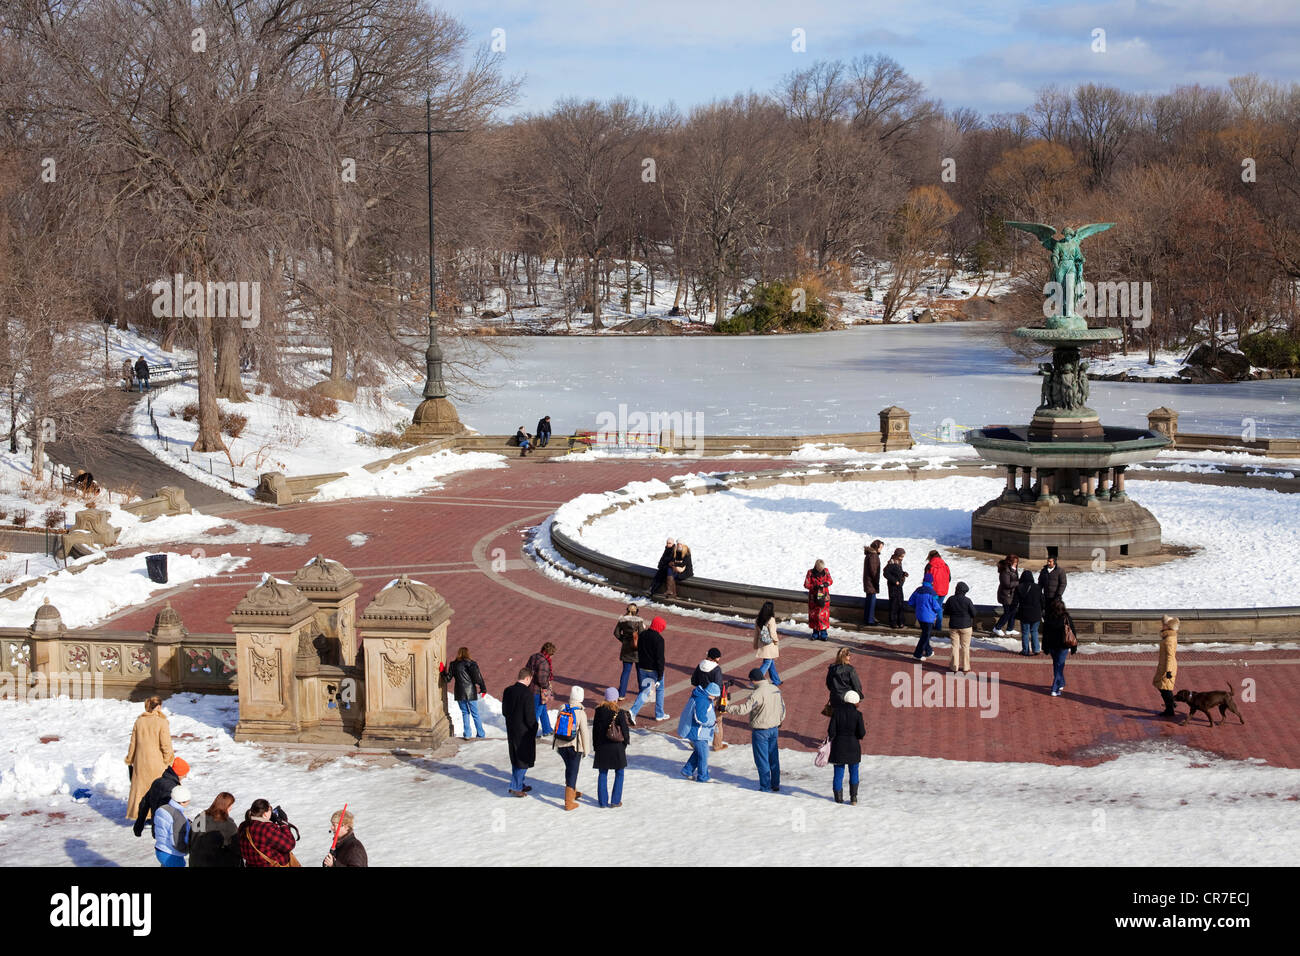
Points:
(1011, 445)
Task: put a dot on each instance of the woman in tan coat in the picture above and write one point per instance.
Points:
(766, 641)
(150, 752)
(1167, 667)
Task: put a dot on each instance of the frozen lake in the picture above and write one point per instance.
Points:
(832, 382)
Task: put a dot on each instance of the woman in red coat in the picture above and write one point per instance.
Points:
(817, 582)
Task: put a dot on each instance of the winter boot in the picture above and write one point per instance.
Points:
(570, 802)
(853, 794)
(670, 586)
(839, 796)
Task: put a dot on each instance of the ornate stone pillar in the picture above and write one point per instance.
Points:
(1010, 491)
(404, 640)
(46, 633)
(1046, 480)
(1119, 494)
(895, 428)
(165, 637)
(272, 623)
(1164, 420)
(332, 588)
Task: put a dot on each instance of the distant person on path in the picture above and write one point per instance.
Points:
(572, 741)
(610, 732)
(1055, 621)
(264, 842)
(661, 572)
(871, 580)
(841, 677)
(467, 687)
(520, 715)
(650, 669)
(766, 710)
(540, 665)
(348, 851)
(1008, 578)
(1052, 580)
(1167, 665)
(961, 625)
(846, 731)
(160, 791)
(214, 836)
(128, 374)
(142, 373)
(696, 727)
(940, 577)
(1029, 600)
(894, 577)
(544, 431)
(171, 829)
(709, 671)
(927, 608)
(626, 631)
(149, 754)
(817, 582)
(767, 643)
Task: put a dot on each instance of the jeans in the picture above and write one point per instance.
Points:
(698, 765)
(468, 709)
(651, 683)
(869, 613)
(1029, 636)
(543, 717)
(770, 665)
(169, 859)
(1058, 668)
(923, 649)
(572, 761)
(144, 387)
(839, 775)
(542, 439)
(602, 788)
(1008, 617)
(622, 681)
(517, 778)
(938, 621)
(767, 757)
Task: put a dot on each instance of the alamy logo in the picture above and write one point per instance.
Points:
(77, 909)
(215, 300)
(932, 689)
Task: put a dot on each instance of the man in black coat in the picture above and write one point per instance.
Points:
(159, 795)
(517, 707)
(650, 665)
(142, 373)
(543, 431)
(894, 577)
(1052, 580)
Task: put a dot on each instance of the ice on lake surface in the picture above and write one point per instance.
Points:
(830, 382)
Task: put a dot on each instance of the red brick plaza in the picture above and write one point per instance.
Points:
(448, 539)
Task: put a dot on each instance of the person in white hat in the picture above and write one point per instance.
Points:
(846, 731)
(573, 742)
(171, 829)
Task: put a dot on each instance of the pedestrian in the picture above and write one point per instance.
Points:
(523, 439)
(1052, 580)
(1029, 600)
(709, 671)
(142, 373)
(767, 643)
(573, 742)
(696, 726)
(171, 829)
(348, 851)
(540, 665)
(841, 677)
(159, 792)
(1056, 622)
(544, 431)
(1008, 579)
(766, 710)
(150, 752)
(1167, 665)
(871, 580)
(266, 839)
(610, 733)
(626, 631)
(520, 715)
(650, 664)
(467, 688)
(817, 582)
(128, 373)
(846, 731)
(961, 625)
(927, 608)
(680, 567)
(894, 577)
(214, 836)
(940, 577)
(661, 571)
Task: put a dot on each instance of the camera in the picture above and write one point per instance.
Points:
(279, 816)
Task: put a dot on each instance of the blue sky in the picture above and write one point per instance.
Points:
(991, 55)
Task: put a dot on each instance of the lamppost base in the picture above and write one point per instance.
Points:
(434, 418)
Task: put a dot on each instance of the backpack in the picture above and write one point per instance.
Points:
(764, 635)
(566, 724)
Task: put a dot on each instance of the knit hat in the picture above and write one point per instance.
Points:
(714, 654)
(658, 624)
(576, 695)
(757, 674)
(611, 694)
(927, 580)
(180, 794)
(1170, 621)
(713, 690)
(180, 766)
(851, 697)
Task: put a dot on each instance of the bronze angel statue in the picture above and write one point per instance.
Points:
(1067, 256)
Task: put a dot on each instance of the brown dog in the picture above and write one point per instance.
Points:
(1204, 700)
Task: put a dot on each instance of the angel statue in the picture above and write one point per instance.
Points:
(1067, 256)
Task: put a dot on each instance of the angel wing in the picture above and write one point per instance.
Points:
(1083, 232)
(1044, 232)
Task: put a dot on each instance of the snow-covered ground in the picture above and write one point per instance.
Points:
(1153, 802)
(1167, 365)
(418, 475)
(773, 535)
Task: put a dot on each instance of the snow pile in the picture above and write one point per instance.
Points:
(1167, 365)
(418, 475)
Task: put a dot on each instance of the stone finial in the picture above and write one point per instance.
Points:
(273, 597)
(407, 600)
(322, 574)
(47, 622)
(167, 626)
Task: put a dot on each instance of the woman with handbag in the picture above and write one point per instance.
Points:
(610, 733)
(841, 677)
(767, 641)
(1059, 641)
(817, 582)
(845, 734)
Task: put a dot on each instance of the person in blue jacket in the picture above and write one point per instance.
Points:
(171, 829)
(926, 607)
(696, 726)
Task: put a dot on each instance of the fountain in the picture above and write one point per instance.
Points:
(1065, 493)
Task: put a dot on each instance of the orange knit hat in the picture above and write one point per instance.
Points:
(180, 766)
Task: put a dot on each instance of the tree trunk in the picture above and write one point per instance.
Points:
(595, 295)
(209, 438)
(38, 442)
(170, 327)
(229, 385)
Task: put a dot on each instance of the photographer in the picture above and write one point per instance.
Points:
(266, 837)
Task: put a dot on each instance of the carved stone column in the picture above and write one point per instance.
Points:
(332, 588)
(270, 624)
(166, 636)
